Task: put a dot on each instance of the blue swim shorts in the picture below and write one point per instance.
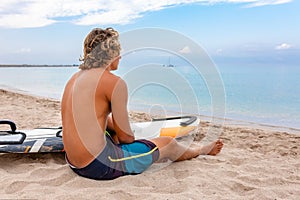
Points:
(120, 159)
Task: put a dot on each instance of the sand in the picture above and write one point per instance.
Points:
(256, 163)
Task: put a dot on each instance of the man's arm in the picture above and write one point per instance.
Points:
(120, 114)
(111, 129)
(110, 124)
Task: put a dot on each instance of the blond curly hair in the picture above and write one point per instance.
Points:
(101, 47)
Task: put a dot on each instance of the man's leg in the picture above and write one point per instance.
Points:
(171, 149)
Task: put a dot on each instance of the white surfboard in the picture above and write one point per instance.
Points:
(43, 140)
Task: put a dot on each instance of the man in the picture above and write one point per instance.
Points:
(95, 100)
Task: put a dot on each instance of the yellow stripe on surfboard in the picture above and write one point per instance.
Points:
(176, 131)
(27, 149)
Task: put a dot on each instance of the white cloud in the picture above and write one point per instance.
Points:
(219, 51)
(24, 50)
(39, 13)
(283, 46)
(185, 50)
(267, 2)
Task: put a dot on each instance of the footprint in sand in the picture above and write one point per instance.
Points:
(241, 188)
(16, 186)
(181, 174)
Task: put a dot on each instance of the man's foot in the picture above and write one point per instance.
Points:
(212, 149)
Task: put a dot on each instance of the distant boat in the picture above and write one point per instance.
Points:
(169, 64)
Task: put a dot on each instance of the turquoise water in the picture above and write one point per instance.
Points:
(41, 81)
(263, 94)
(268, 95)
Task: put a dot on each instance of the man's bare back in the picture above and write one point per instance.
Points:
(87, 103)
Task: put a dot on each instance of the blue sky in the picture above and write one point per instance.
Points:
(236, 32)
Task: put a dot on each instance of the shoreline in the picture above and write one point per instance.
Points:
(226, 121)
(254, 164)
(238, 123)
(25, 93)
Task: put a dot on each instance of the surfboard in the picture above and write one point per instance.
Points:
(49, 140)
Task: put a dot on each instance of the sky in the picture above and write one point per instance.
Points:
(233, 32)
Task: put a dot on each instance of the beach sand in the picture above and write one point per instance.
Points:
(256, 163)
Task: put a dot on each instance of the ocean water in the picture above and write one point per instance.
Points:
(265, 95)
(40, 81)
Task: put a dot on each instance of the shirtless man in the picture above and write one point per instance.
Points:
(95, 100)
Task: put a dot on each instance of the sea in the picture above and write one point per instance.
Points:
(262, 95)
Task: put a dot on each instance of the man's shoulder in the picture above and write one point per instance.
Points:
(114, 78)
(72, 79)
